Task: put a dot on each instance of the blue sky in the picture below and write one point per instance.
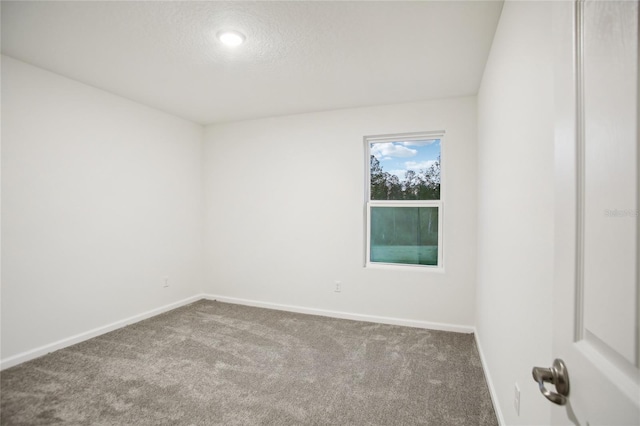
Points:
(398, 157)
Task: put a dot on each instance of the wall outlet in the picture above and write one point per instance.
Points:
(516, 399)
(165, 281)
(338, 287)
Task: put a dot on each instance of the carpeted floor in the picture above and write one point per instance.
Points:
(215, 363)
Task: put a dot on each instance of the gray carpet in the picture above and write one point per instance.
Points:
(215, 363)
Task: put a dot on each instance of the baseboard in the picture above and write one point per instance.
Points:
(343, 315)
(43, 350)
(492, 389)
(60, 344)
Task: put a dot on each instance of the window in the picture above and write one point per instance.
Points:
(404, 205)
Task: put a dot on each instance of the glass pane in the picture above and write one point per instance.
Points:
(405, 170)
(406, 235)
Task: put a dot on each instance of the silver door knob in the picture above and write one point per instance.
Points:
(556, 375)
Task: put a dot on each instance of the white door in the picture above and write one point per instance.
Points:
(596, 293)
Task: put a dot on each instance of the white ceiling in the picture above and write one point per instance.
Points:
(298, 57)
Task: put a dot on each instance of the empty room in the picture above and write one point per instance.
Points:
(319, 213)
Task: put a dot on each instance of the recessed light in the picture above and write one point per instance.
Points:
(231, 38)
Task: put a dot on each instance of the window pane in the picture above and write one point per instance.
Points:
(407, 235)
(407, 170)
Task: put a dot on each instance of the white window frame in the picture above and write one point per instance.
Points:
(369, 203)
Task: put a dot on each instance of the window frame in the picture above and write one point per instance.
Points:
(369, 203)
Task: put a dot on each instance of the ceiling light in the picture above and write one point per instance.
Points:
(231, 38)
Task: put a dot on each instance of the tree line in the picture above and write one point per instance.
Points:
(421, 185)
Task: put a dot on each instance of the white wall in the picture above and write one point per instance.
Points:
(284, 206)
(515, 208)
(101, 198)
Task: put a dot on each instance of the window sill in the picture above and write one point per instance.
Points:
(400, 267)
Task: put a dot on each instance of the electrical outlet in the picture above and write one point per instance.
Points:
(166, 282)
(516, 399)
(338, 287)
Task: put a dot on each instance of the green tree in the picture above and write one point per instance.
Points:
(378, 180)
(430, 189)
(411, 185)
(394, 187)
(424, 185)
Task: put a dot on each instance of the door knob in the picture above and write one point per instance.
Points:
(556, 375)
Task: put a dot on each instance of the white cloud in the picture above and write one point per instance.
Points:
(419, 143)
(390, 149)
(419, 165)
(416, 166)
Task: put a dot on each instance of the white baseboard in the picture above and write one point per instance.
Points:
(43, 350)
(63, 343)
(492, 389)
(343, 315)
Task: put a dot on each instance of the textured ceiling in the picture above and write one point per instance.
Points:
(298, 57)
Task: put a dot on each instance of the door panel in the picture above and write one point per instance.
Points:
(610, 180)
(596, 219)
